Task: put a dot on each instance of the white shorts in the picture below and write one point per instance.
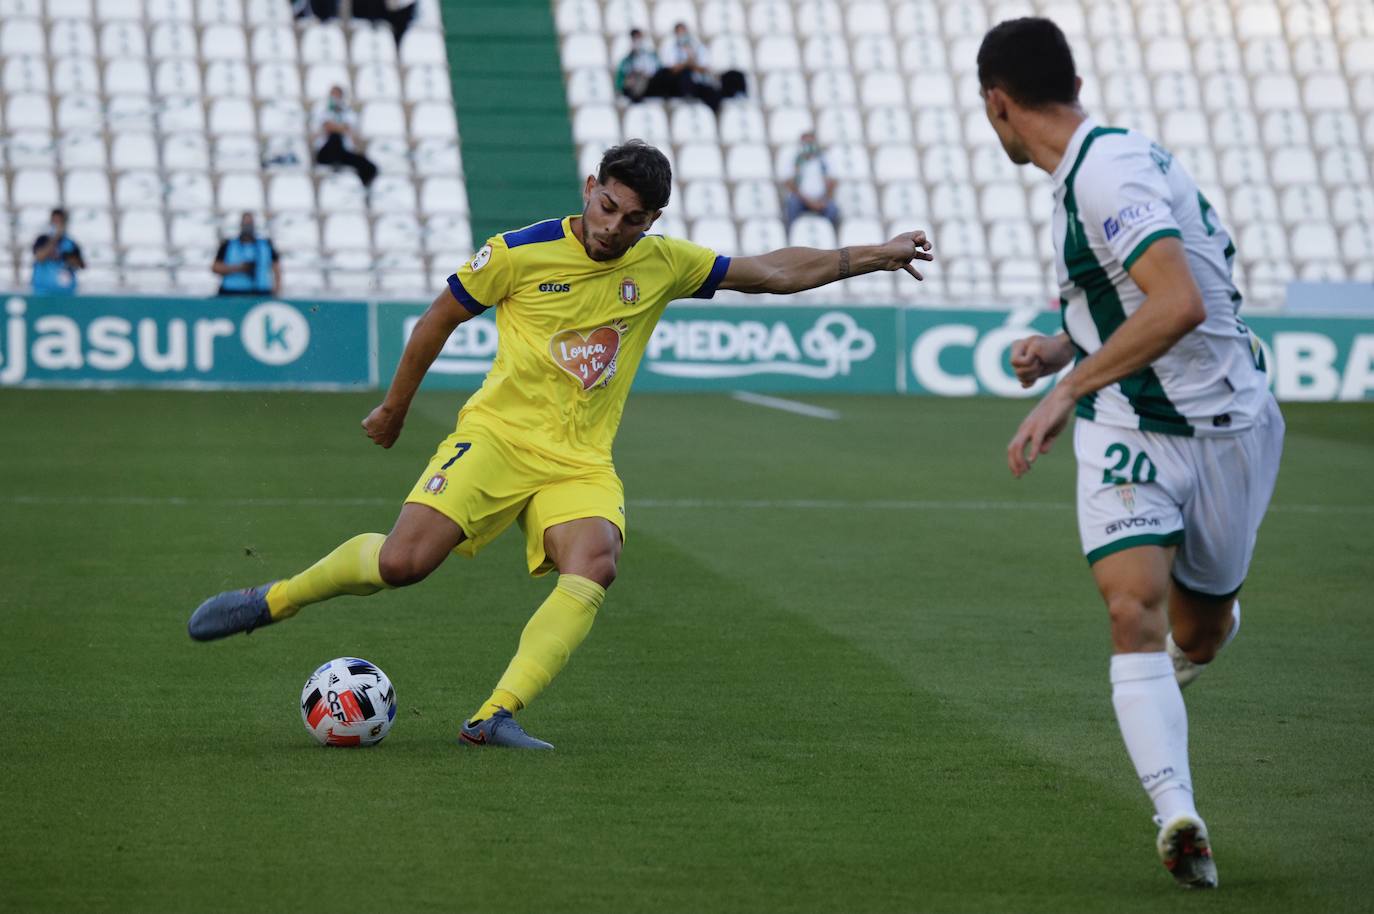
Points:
(1205, 495)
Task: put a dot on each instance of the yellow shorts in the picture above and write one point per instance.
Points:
(482, 483)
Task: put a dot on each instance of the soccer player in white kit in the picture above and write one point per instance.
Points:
(1178, 438)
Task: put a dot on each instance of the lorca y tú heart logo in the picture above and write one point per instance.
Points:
(591, 358)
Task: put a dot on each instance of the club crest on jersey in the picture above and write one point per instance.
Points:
(1126, 493)
(629, 291)
(481, 258)
(436, 484)
(590, 358)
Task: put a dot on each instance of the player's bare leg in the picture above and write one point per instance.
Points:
(419, 542)
(585, 552)
(1135, 583)
(1200, 626)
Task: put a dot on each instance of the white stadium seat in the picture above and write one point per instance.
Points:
(86, 188)
(722, 17)
(397, 232)
(273, 43)
(225, 78)
(232, 115)
(372, 45)
(578, 16)
(719, 234)
(240, 191)
(322, 42)
(761, 235)
(748, 162)
(382, 119)
(443, 196)
(810, 231)
(1003, 203)
(731, 52)
(777, 52)
(1352, 204)
(76, 76)
(347, 232)
(902, 202)
(586, 49)
(81, 149)
(833, 88)
(895, 163)
(392, 194)
(754, 198)
(826, 51)
(596, 124)
(699, 160)
(223, 42)
(423, 47)
(142, 227)
(1312, 241)
(873, 53)
(742, 124)
(840, 126)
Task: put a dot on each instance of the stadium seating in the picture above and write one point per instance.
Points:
(1269, 103)
(157, 123)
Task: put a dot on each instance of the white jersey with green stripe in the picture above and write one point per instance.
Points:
(1116, 193)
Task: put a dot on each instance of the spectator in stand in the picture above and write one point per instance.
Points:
(640, 75)
(809, 186)
(690, 65)
(56, 258)
(336, 144)
(249, 264)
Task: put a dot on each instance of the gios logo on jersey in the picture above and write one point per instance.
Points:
(555, 287)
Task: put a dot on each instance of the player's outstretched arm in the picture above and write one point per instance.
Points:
(383, 424)
(790, 270)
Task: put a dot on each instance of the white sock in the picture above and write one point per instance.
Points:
(1154, 724)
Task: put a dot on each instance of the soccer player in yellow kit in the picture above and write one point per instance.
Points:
(576, 300)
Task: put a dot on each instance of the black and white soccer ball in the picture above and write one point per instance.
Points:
(348, 702)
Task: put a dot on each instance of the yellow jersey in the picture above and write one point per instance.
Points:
(571, 331)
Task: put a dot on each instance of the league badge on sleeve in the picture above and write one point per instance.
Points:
(481, 258)
(436, 484)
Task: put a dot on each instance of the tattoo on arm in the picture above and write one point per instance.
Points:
(844, 263)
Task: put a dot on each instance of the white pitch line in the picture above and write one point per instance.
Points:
(787, 406)
(686, 504)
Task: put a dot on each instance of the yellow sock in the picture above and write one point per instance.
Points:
(555, 630)
(352, 568)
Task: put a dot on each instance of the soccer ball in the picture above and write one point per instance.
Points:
(348, 702)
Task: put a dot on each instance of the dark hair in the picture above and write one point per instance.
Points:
(635, 33)
(58, 211)
(641, 168)
(1030, 60)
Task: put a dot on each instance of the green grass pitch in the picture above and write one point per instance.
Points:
(848, 666)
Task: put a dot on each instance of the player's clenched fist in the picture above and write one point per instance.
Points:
(383, 425)
(1035, 357)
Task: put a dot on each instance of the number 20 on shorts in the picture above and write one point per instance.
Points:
(1142, 469)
